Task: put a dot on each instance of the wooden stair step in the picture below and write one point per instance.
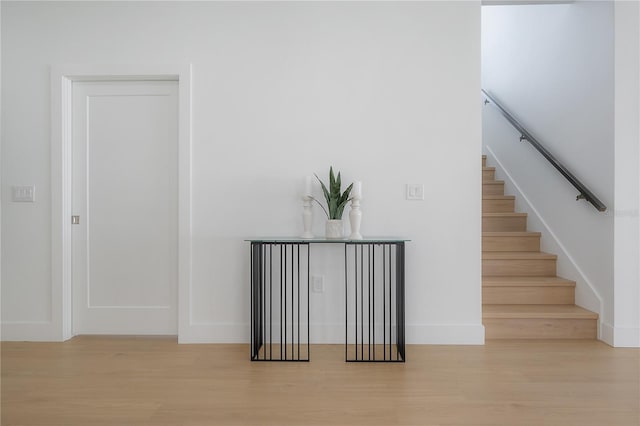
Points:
(511, 241)
(538, 322)
(498, 203)
(512, 290)
(520, 263)
(493, 187)
(504, 222)
(488, 173)
(484, 161)
(517, 281)
(518, 255)
(537, 311)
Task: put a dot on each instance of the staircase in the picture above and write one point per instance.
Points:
(522, 298)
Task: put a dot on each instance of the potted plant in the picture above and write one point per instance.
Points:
(336, 202)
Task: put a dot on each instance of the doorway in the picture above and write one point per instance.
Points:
(63, 78)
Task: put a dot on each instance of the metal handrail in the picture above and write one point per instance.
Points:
(585, 193)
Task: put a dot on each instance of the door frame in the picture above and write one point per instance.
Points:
(62, 78)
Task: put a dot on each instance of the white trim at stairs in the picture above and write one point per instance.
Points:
(621, 337)
(602, 335)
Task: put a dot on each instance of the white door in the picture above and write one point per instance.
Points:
(125, 192)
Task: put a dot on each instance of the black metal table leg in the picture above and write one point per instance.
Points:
(279, 288)
(374, 269)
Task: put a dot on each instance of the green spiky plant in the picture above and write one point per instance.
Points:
(336, 201)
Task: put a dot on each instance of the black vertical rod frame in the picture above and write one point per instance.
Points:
(263, 291)
(369, 319)
(390, 311)
(400, 301)
(270, 304)
(389, 279)
(298, 247)
(346, 304)
(289, 274)
(257, 284)
(361, 303)
(384, 303)
(282, 268)
(308, 304)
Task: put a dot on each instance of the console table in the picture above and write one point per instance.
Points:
(374, 305)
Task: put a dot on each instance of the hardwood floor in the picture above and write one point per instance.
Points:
(155, 381)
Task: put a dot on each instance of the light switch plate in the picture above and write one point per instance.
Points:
(23, 194)
(415, 191)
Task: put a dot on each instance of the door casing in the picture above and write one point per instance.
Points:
(62, 78)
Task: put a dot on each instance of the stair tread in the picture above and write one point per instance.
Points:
(508, 281)
(493, 182)
(488, 169)
(537, 311)
(517, 255)
(498, 197)
(510, 234)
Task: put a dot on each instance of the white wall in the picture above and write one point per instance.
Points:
(387, 93)
(552, 66)
(625, 329)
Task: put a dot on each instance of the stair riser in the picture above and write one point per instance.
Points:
(533, 295)
(498, 206)
(519, 267)
(504, 224)
(493, 188)
(488, 175)
(484, 161)
(545, 328)
(508, 243)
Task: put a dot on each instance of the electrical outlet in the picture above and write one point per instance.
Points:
(317, 284)
(415, 191)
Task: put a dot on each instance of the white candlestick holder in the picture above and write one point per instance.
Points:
(355, 217)
(307, 217)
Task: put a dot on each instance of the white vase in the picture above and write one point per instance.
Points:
(334, 229)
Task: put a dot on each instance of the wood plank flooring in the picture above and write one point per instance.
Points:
(155, 381)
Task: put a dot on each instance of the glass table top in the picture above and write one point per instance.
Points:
(322, 240)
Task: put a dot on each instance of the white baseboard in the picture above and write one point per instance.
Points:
(445, 334)
(215, 333)
(621, 337)
(30, 331)
(607, 333)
